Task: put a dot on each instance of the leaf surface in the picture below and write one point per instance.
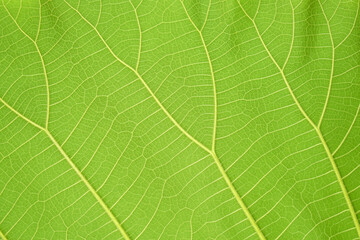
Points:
(179, 119)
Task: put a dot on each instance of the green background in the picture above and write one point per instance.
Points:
(178, 119)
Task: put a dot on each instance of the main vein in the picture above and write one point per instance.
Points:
(42, 63)
(211, 152)
(89, 186)
(211, 70)
(238, 197)
(316, 128)
(210, 66)
(45, 129)
(2, 236)
(74, 167)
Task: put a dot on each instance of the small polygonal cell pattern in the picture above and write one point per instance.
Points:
(179, 119)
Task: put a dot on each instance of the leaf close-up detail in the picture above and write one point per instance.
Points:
(180, 119)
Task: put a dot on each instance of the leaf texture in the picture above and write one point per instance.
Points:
(180, 119)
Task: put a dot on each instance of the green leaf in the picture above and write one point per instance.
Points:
(179, 119)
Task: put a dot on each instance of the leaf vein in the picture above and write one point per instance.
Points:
(317, 129)
(74, 167)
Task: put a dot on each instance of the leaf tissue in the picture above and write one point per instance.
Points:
(179, 119)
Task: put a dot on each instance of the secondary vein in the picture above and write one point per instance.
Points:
(89, 186)
(332, 67)
(212, 152)
(316, 128)
(140, 35)
(74, 167)
(214, 91)
(42, 64)
(211, 71)
(238, 197)
(143, 82)
(2, 236)
(348, 131)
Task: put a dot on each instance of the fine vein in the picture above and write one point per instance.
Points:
(316, 128)
(140, 35)
(214, 90)
(78, 172)
(237, 197)
(332, 66)
(292, 36)
(74, 167)
(42, 64)
(88, 185)
(348, 131)
(211, 152)
(143, 82)
(211, 70)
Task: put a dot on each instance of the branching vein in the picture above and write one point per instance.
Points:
(42, 64)
(74, 167)
(332, 66)
(317, 129)
(140, 35)
(210, 150)
(213, 153)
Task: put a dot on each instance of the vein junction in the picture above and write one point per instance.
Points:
(210, 151)
(316, 128)
(74, 167)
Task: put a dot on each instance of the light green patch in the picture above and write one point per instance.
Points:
(179, 119)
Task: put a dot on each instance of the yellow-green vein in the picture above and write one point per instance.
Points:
(89, 186)
(140, 35)
(211, 71)
(143, 82)
(74, 167)
(332, 67)
(213, 153)
(2, 236)
(42, 64)
(316, 128)
(348, 132)
(237, 197)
